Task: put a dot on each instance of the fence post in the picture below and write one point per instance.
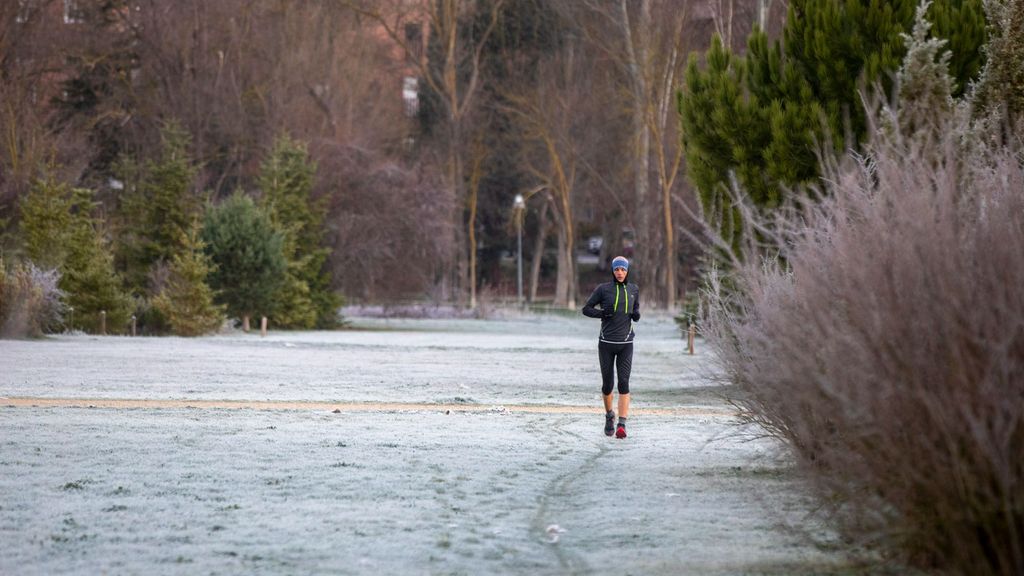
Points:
(691, 334)
(263, 326)
(103, 322)
(133, 325)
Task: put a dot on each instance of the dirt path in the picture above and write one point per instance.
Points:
(151, 403)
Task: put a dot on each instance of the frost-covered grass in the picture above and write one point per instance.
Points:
(383, 492)
(529, 361)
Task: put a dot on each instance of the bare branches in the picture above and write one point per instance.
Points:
(882, 346)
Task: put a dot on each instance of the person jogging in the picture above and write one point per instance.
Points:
(617, 304)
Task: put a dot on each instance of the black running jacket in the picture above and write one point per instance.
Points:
(618, 306)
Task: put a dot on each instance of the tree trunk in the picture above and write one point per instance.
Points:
(538, 250)
(471, 232)
(565, 280)
(667, 174)
(245, 323)
(636, 48)
(670, 250)
(562, 277)
(459, 271)
(567, 260)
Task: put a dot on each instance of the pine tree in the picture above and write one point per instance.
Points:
(962, 25)
(159, 207)
(248, 255)
(842, 46)
(46, 221)
(59, 231)
(761, 118)
(88, 277)
(720, 131)
(187, 301)
(305, 299)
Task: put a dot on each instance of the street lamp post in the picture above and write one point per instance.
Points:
(519, 205)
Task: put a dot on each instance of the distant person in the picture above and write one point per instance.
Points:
(617, 304)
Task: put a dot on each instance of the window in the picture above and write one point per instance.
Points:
(73, 12)
(410, 95)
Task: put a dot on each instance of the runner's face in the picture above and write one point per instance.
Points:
(620, 274)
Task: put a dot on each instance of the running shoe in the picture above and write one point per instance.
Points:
(620, 432)
(609, 424)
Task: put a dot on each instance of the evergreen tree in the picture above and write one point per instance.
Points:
(59, 231)
(841, 46)
(1000, 91)
(962, 25)
(925, 97)
(46, 222)
(187, 301)
(717, 121)
(305, 298)
(88, 276)
(761, 118)
(247, 252)
(158, 209)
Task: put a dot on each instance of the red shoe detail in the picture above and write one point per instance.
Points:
(620, 432)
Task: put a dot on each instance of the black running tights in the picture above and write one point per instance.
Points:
(615, 356)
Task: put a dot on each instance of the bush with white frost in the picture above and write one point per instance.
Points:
(879, 332)
(30, 301)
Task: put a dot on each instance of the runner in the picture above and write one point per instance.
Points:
(617, 304)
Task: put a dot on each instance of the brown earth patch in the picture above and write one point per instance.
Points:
(150, 403)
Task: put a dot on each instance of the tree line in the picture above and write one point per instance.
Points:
(589, 109)
(174, 260)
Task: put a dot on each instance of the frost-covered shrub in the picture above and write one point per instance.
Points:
(883, 340)
(880, 332)
(30, 301)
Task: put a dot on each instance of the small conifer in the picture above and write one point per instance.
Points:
(187, 301)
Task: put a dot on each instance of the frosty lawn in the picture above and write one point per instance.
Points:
(459, 447)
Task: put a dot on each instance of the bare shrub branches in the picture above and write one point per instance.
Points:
(879, 331)
(882, 338)
(30, 301)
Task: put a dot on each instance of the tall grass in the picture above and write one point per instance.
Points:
(882, 338)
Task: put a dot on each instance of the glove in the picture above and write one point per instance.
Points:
(607, 312)
(635, 316)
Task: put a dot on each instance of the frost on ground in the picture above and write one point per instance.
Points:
(179, 490)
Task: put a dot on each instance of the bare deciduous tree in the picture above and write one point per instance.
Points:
(645, 43)
(455, 79)
(33, 50)
(554, 113)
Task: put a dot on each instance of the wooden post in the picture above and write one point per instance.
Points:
(103, 322)
(133, 325)
(691, 334)
(263, 326)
